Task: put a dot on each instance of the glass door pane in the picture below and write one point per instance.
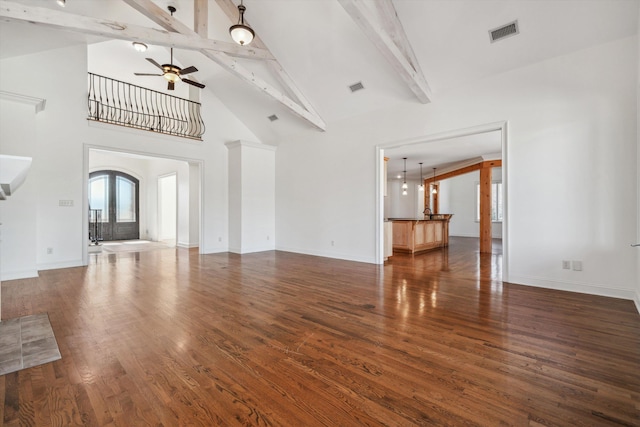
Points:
(99, 195)
(125, 200)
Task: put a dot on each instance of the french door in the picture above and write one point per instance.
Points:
(115, 197)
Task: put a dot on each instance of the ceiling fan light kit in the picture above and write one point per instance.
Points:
(241, 33)
(172, 72)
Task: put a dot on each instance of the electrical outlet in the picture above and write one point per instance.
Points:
(566, 265)
(577, 265)
(332, 243)
(49, 251)
(267, 237)
(219, 239)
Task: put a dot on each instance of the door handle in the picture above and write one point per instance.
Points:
(635, 245)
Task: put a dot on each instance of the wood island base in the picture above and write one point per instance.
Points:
(417, 235)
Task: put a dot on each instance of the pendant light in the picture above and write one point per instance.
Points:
(241, 33)
(421, 180)
(435, 189)
(404, 184)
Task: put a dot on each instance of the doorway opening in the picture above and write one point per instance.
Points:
(167, 209)
(114, 200)
(449, 152)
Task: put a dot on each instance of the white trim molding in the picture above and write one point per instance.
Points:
(240, 143)
(580, 287)
(15, 275)
(38, 103)
(501, 126)
(187, 245)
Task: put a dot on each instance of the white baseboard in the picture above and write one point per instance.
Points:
(254, 249)
(187, 245)
(56, 265)
(584, 288)
(325, 254)
(637, 301)
(15, 275)
(214, 250)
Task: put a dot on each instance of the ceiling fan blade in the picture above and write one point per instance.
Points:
(188, 70)
(192, 83)
(171, 86)
(154, 63)
(146, 74)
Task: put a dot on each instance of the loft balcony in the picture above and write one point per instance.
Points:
(120, 103)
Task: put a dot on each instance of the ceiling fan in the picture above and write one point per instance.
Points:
(172, 72)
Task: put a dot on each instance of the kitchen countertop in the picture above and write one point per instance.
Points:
(438, 217)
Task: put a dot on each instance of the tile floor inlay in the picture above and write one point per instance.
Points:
(26, 342)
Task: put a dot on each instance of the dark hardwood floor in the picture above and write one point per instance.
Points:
(169, 337)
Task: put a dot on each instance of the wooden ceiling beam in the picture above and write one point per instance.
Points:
(201, 18)
(487, 164)
(385, 31)
(14, 12)
(166, 21)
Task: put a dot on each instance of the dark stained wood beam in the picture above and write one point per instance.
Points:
(485, 196)
(476, 167)
(485, 210)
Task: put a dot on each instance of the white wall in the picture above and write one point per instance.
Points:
(162, 167)
(458, 196)
(637, 296)
(573, 116)
(194, 205)
(167, 207)
(398, 206)
(251, 197)
(62, 133)
(18, 212)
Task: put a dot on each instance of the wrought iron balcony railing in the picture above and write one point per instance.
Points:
(121, 103)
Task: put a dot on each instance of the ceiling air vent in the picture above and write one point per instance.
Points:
(272, 117)
(504, 31)
(356, 87)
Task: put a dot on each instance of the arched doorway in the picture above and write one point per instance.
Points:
(115, 195)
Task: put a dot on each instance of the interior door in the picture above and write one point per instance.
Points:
(116, 195)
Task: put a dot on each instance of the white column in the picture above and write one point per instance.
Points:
(251, 197)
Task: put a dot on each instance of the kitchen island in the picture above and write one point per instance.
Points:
(417, 235)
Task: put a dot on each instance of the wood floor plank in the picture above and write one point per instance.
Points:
(170, 337)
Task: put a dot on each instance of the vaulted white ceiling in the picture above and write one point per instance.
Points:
(324, 51)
